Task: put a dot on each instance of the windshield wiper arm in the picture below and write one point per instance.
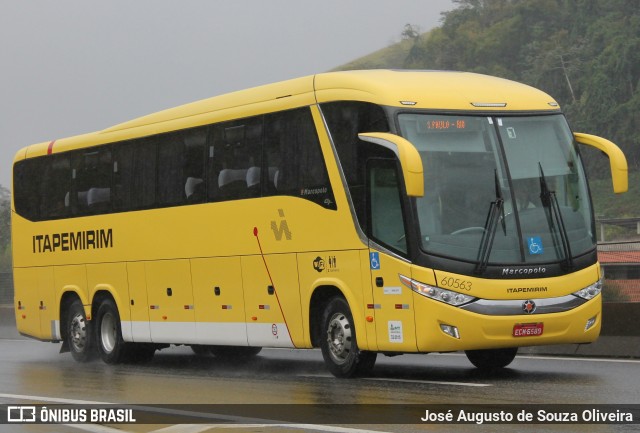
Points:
(550, 201)
(496, 212)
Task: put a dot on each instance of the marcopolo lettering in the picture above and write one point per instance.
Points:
(524, 271)
(73, 241)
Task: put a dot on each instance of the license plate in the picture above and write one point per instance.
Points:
(528, 329)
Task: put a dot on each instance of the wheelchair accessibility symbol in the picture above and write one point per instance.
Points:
(374, 260)
(535, 245)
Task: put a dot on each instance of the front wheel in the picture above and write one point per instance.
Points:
(338, 342)
(492, 359)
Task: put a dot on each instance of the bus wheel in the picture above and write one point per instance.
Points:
(235, 352)
(110, 343)
(338, 343)
(79, 333)
(491, 359)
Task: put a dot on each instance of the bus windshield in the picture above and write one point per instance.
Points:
(501, 190)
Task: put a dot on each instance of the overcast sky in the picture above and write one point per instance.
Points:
(75, 66)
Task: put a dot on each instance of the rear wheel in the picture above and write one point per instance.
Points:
(111, 346)
(338, 342)
(492, 359)
(79, 333)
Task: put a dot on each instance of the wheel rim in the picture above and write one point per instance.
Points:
(108, 332)
(78, 333)
(339, 338)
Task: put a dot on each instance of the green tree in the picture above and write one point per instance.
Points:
(5, 229)
(585, 54)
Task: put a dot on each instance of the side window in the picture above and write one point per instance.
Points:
(170, 163)
(195, 141)
(26, 187)
(294, 164)
(234, 159)
(346, 119)
(56, 191)
(92, 173)
(134, 182)
(386, 220)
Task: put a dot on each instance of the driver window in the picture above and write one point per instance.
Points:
(386, 220)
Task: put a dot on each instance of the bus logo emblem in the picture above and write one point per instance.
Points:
(529, 306)
(282, 229)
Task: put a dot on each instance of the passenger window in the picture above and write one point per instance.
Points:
(92, 173)
(236, 157)
(56, 188)
(134, 167)
(26, 187)
(170, 163)
(294, 162)
(195, 141)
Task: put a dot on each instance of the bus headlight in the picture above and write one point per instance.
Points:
(447, 296)
(590, 291)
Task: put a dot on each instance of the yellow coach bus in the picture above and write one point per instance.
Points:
(361, 212)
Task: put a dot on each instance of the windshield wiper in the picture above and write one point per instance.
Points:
(550, 202)
(496, 212)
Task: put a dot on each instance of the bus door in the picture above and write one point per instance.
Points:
(393, 302)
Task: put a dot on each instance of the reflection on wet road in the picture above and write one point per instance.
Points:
(34, 372)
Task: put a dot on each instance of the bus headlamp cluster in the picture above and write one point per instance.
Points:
(590, 291)
(447, 296)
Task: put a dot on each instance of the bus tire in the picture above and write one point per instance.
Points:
(79, 333)
(491, 359)
(111, 346)
(338, 342)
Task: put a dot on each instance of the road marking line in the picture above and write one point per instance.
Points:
(551, 357)
(53, 399)
(566, 358)
(434, 382)
(97, 428)
(199, 428)
(390, 379)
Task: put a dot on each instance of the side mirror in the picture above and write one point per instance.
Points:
(408, 155)
(617, 160)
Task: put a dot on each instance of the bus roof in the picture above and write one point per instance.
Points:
(435, 90)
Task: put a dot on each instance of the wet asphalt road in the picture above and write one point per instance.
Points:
(34, 372)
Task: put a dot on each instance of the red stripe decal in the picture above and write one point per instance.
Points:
(50, 148)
